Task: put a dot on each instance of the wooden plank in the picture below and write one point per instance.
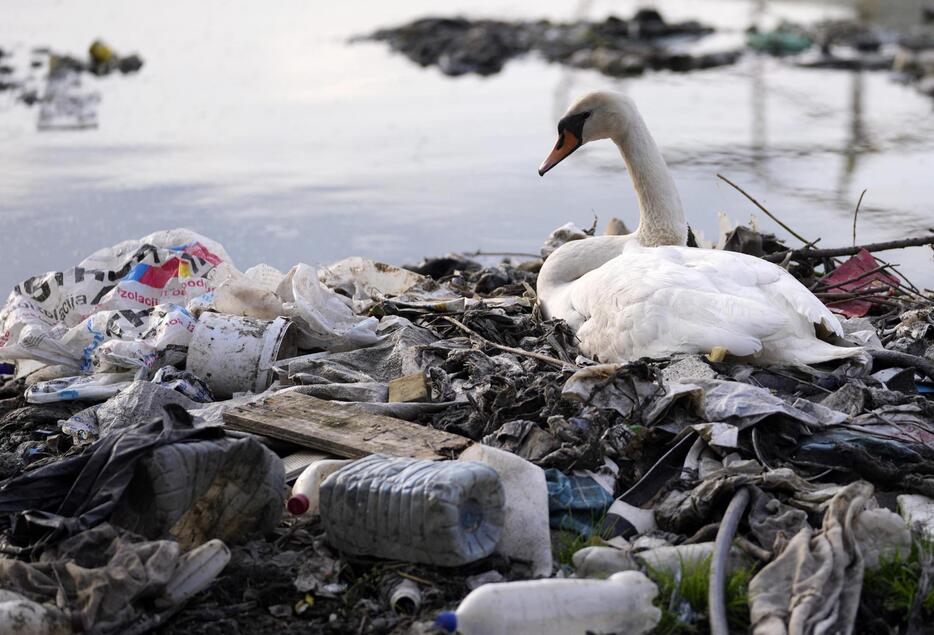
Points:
(409, 388)
(342, 429)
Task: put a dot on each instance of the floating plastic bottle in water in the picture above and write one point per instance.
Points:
(620, 604)
(445, 513)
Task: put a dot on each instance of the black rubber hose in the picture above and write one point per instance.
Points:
(716, 593)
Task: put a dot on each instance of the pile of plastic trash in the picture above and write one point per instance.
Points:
(590, 497)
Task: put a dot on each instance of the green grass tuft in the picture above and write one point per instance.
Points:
(567, 543)
(682, 599)
(890, 589)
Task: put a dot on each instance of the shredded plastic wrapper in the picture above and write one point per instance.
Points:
(122, 307)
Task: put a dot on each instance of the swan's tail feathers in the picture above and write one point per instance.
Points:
(814, 351)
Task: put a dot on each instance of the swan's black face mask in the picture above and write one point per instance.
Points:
(570, 138)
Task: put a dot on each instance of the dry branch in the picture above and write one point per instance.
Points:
(818, 254)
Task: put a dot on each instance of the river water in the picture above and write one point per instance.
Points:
(262, 127)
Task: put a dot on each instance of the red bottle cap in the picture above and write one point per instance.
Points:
(297, 504)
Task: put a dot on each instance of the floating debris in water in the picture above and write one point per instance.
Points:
(617, 47)
(64, 102)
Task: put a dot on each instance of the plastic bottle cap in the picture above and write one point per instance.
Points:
(297, 504)
(447, 621)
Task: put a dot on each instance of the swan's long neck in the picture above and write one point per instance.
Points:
(661, 217)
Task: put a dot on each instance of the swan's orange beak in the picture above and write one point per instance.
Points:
(567, 143)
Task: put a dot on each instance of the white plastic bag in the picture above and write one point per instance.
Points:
(48, 317)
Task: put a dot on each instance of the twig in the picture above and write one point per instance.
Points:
(851, 280)
(767, 212)
(911, 287)
(704, 534)
(856, 213)
(833, 300)
(753, 550)
(509, 349)
(413, 578)
(502, 253)
(840, 296)
(812, 254)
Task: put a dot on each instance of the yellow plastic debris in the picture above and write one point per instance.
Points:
(717, 354)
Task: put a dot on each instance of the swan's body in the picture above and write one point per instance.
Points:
(647, 295)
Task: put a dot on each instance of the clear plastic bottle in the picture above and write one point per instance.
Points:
(438, 512)
(620, 604)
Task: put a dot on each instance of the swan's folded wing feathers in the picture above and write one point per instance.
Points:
(649, 303)
(742, 269)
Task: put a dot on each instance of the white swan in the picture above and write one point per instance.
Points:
(646, 294)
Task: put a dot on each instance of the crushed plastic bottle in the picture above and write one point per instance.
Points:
(620, 604)
(444, 513)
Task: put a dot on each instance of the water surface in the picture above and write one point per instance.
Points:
(261, 127)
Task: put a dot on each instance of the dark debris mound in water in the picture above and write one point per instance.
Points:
(614, 46)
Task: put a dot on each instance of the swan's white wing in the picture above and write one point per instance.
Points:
(655, 301)
(776, 283)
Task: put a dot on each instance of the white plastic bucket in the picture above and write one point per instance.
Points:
(236, 354)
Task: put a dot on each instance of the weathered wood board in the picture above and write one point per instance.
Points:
(342, 429)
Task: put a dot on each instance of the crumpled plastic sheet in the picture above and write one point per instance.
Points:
(885, 445)
(686, 510)
(813, 586)
(81, 491)
(409, 411)
(325, 319)
(134, 405)
(564, 234)
(398, 350)
(632, 390)
(109, 578)
(185, 382)
(735, 403)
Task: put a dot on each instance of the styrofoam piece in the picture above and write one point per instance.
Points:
(918, 512)
(236, 354)
(568, 606)
(304, 498)
(526, 535)
(881, 534)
